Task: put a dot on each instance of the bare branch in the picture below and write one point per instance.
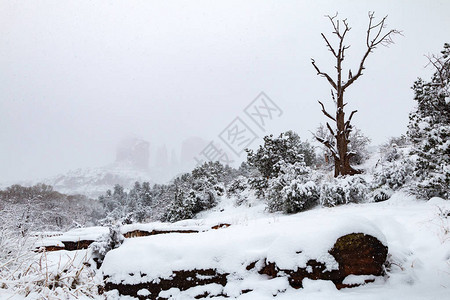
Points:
(335, 24)
(325, 112)
(372, 43)
(441, 65)
(351, 115)
(331, 130)
(330, 80)
(347, 29)
(328, 145)
(329, 45)
(347, 126)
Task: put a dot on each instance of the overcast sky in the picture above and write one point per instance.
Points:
(77, 76)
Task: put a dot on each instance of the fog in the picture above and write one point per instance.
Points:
(76, 77)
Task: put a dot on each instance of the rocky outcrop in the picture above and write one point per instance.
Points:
(222, 225)
(142, 232)
(355, 253)
(133, 152)
(182, 280)
(139, 233)
(78, 245)
(68, 245)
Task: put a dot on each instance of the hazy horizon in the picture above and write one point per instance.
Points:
(76, 77)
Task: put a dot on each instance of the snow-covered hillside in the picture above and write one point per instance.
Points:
(416, 232)
(93, 182)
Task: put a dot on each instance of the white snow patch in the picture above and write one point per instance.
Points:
(74, 235)
(289, 242)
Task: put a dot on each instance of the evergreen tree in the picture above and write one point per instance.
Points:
(292, 190)
(268, 159)
(429, 129)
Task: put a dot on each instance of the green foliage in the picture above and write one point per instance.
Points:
(429, 129)
(127, 207)
(287, 148)
(344, 190)
(240, 189)
(396, 174)
(198, 190)
(292, 191)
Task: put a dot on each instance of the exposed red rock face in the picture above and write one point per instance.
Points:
(356, 253)
(223, 225)
(84, 244)
(71, 246)
(314, 270)
(139, 233)
(182, 280)
(49, 248)
(359, 254)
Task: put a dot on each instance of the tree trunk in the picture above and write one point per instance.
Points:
(342, 167)
(340, 154)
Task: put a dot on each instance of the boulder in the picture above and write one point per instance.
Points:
(356, 254)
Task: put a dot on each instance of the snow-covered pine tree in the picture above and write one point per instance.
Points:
(292, 190)
(199, 190)
(288, 148)
(182, 207)
(429, 129)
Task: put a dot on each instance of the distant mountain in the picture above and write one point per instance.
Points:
(131, 165)
(93, 182)
(133, 162)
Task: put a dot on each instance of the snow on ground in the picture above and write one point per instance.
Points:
(75, 235)
(416, 232)
(185, 225)
(53, 275)
(232, 249)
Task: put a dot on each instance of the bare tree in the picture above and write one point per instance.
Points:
(376, 35)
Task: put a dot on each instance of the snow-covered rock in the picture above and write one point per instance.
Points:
(232, 253)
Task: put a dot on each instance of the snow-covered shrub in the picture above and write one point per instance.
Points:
(197, 191)
(300, 196)
(395, 174)
(213, 173)
(182, 207)
(124, 206)
(394, 149)
(292, 190)
(381, 194)
(240, 189)
(358, 144)
(394, 170)
(106, 243)
(343, 190)
(287, 148)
